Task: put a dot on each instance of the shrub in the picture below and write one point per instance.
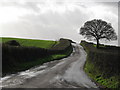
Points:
(12, 55)
(103, 62)
(13, 43)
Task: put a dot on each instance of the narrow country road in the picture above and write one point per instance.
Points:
(64, 73)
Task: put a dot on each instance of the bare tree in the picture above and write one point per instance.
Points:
(98, 29)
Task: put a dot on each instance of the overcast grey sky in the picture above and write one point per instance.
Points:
(53, 19)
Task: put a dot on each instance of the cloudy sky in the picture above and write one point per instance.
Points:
(53, 19)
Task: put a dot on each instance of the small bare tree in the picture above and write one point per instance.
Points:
(98, 29)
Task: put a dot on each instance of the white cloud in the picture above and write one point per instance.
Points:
(11, 13)
(52, 20)
(106, 12)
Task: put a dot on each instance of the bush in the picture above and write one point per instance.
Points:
(13, 55)
(103, 62)
(13, 43)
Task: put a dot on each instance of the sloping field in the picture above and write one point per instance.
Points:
(31, 42)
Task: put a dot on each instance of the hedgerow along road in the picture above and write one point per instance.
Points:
(64, 73)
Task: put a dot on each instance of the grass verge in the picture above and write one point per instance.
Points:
(40, 61)
(102, 65)
(18, 58)
(96, 75)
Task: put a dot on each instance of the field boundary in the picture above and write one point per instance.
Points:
(102, 65)
(18, 58)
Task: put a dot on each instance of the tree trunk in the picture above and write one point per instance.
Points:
(97, 43)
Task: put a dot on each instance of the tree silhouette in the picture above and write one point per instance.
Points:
(98, 29)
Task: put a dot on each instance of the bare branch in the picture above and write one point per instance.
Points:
(98, 29)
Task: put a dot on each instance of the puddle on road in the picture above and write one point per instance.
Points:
(20, 77)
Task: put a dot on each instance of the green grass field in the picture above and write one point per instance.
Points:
(31, 42)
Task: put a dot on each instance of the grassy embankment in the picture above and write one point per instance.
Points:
(102, 64)
(32, 42)
(31, 53)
